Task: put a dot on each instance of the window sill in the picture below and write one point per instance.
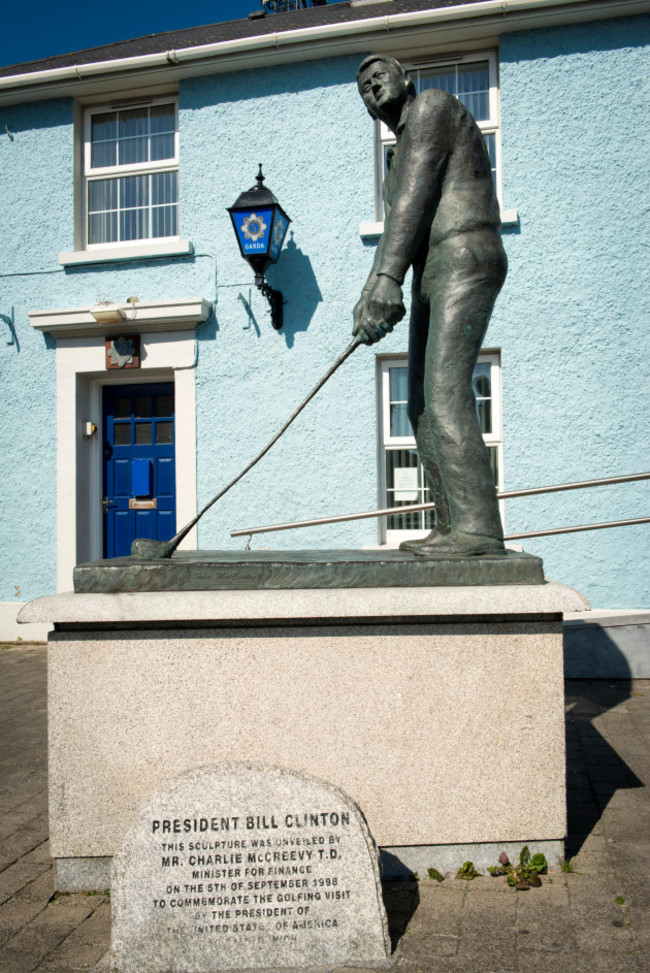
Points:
(149, 249)
(509, 217)
(370, 231)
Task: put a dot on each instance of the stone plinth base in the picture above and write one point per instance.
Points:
(430, 707)
(280, 570)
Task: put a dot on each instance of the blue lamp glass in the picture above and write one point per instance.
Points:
(260, 225)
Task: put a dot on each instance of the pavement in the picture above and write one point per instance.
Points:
(594, 918)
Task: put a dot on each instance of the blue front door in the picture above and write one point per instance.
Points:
(139, 465)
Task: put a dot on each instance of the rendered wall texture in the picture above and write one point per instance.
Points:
(308, 126)
(35, 188)
(573, 318)
(569, 321)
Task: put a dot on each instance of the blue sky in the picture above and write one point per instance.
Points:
(42, 28)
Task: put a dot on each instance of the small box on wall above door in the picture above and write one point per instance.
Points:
(123, 351)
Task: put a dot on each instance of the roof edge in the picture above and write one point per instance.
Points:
(322, 41)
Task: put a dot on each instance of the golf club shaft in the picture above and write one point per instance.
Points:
(339, 361)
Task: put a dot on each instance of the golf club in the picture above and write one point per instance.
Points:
(151, 550)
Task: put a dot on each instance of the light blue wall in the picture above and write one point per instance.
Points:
(569, 321)
(36, 216)
(308, 126)
(573, 318)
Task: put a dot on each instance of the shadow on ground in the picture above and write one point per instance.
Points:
(401, 900)
(594, 769)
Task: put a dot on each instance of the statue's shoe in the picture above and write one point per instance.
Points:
(418, 541)
(459, 544)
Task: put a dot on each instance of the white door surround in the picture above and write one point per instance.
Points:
(168, 353)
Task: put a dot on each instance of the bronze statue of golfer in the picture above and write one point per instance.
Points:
(441, 219)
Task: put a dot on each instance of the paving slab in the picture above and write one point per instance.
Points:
(38, 930)
(595, 919)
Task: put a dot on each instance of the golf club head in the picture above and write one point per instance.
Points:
(151, 550)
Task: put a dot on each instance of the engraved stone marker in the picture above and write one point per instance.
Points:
(239, 867)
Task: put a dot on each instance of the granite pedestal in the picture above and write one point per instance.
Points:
(429, 706)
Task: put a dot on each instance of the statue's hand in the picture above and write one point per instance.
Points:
(385, 300)
(378, 311)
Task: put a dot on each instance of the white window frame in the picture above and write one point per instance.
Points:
(384, 137)
(117, 171)
(386, 442)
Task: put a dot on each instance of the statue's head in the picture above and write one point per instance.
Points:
(383, 83)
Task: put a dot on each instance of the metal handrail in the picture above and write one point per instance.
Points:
(506, 495)
(573, 530)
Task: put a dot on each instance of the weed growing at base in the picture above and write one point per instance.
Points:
(525, 874)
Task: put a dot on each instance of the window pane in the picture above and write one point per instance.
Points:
(481, 379)
(103, 135)
(401, 459)
(164, 405)
(134, 191)
(491, 146)
(122, 434)
(133, 150)
(484, 413)
(494, 461)
(122, 407)
(162, 119)
(134, 224)
(102, 154)
(142, 433)
(404, 486)
(473, 89)
(164, 221)
(470, 83)
(103, 127)
(399, 420)
(164, 432)
(102, 195)
(443, 78)
(162, 147)
(482, 386)
(398, 386)
(398, 382)
(472, 77)
(477, 104)
(142, 407)
(164, 188)
(133, 123)
(412, 521)
(388, 156)
(102, 227)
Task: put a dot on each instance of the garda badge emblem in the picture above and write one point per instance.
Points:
(253, 227)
